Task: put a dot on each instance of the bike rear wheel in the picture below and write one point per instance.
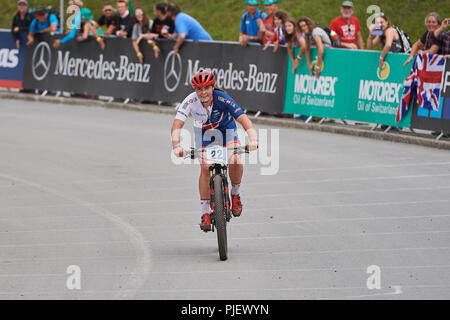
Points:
(219, 218)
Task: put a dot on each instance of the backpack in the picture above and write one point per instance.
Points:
(51, 10)
(404, 39)
(333, 36)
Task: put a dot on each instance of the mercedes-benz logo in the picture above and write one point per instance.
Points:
(172, 71)
(42, 57)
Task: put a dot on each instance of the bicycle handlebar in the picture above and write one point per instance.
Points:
(193, 153)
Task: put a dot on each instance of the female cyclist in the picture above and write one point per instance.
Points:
(214, 114)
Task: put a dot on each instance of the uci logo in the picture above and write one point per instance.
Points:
(9, 58)
(384, 71)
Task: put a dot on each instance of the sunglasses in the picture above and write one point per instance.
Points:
(109, 9)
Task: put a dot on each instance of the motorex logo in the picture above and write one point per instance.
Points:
(384, 71)
(314, 65)
(380, 91)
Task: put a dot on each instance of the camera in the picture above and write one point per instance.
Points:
(378, 31)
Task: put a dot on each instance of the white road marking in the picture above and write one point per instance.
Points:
(231, 239)
(130, 202)
(240, 224)
(397, 291)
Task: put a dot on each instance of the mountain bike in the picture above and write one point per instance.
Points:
(219, 195)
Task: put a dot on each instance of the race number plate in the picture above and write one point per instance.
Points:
(216, 155)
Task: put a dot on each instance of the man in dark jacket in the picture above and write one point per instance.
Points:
(125, 20)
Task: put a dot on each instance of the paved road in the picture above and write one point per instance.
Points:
(95, 188)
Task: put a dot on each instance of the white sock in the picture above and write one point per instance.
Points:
(205, 205)
(235, 188)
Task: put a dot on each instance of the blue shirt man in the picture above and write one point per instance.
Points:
(44, 22)
(190, 27)
(250, 23)
(186, 27)
(39, 25)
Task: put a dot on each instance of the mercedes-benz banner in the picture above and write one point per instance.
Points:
(255, 78)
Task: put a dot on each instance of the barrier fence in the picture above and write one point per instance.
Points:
(255, 78)
(351, 85)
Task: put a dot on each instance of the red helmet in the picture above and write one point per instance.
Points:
(203, 78)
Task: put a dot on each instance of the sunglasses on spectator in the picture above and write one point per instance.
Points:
(139, 14)
(108, 9)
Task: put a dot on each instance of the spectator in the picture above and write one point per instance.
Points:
(163, 25)
(186, 27)
(315, 37)
(348, 28)
(250, 23)
(389, 38)
(427, 42)
(444, 38)
(21, 21)
(43, 23)
(268, 26)
(280, 18)
(109, 18)
(90, 28)
(77, 24)
(125, 20)
(294, 38)
(141, 30)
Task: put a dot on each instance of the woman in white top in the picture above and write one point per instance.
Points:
(315, 37)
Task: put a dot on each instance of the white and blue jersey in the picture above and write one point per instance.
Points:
(215, 126)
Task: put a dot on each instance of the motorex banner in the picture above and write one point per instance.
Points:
(351, 86)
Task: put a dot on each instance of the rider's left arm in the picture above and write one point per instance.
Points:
(247, 124)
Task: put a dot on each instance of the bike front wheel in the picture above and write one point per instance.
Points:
(219, 217)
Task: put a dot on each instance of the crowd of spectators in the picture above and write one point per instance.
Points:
(344, 31)
(268, 27)
(169, 23)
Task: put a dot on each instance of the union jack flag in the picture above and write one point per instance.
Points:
(423, 83)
